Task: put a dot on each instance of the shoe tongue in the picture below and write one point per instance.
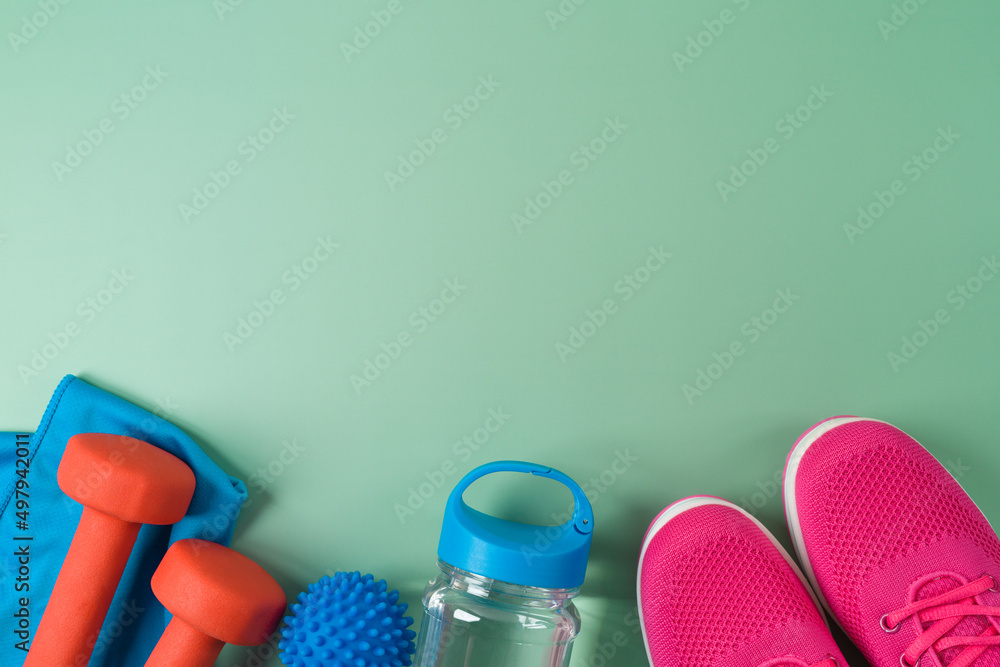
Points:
(970, 626)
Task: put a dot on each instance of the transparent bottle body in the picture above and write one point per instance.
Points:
(474, 621)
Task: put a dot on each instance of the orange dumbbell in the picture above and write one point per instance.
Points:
(217, 597)
(122, 483)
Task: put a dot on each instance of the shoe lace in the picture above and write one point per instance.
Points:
(946, 611)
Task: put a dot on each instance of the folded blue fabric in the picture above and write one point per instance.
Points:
(136, 619)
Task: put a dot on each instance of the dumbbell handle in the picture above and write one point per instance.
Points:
(83, 591)
(181, 645)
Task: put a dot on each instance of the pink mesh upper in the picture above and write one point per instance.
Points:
(715, 591)
(883, 523)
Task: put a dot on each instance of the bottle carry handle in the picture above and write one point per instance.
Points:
(583, 514)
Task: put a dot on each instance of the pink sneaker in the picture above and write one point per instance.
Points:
(717, 590)
(899, 554)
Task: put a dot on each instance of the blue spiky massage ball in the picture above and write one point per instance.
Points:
(348, 620)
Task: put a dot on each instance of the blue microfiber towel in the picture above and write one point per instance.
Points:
(136, 619)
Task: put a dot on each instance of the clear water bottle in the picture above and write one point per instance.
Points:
(504, 597)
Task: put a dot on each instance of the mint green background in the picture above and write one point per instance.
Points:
(333, 507)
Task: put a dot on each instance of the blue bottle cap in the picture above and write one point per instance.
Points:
(517, 553)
